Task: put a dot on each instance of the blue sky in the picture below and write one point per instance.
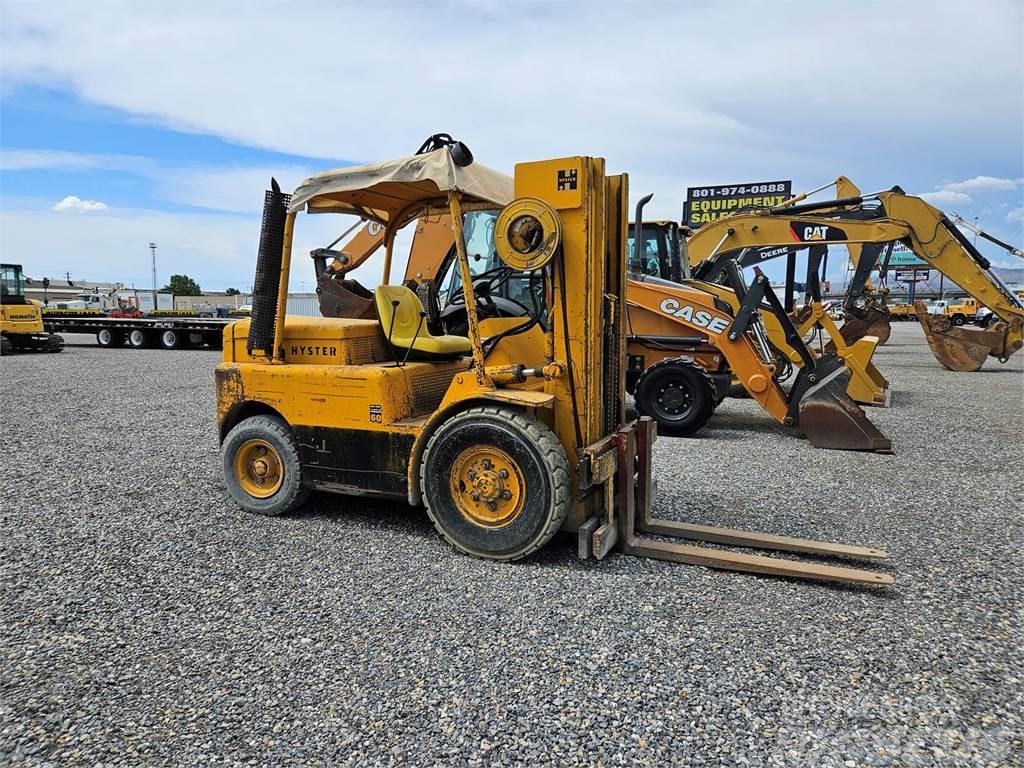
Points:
(125, 123)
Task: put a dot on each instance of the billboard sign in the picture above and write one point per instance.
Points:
(902, 256)
(912, 275)
(706, 204)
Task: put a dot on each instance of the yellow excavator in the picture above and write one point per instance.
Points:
(506, 434)
(866, 224)
(21, 319)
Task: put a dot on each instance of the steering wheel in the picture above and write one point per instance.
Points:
(483, 287)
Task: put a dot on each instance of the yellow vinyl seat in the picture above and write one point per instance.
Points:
(399, 305)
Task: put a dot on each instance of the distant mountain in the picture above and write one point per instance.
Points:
(1010, 275)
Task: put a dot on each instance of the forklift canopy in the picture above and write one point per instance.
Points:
(395, 191)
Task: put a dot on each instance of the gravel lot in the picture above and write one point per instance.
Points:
(146, 619)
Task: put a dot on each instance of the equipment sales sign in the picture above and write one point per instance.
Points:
(707, 204)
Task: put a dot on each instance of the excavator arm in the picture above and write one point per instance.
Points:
(927, 231)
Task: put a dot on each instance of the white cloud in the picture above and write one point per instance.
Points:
(536, 81)
(219, 250)
(56, 160)
(945, 197)
(78, 205)
(1017, 214)
(981, 184)
(226, 189)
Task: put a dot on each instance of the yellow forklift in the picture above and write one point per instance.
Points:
(505, 434)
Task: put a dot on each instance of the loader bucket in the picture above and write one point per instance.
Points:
(830, 419)
(960, 349)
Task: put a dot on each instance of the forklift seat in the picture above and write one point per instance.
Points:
(403, 320)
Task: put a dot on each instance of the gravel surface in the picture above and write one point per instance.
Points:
(147, 620)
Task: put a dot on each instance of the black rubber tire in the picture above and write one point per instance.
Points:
(171, 338)
(109, 338)
(683, 378)
(275, 431)
(139, 339)
(958, 320)
(539, 456)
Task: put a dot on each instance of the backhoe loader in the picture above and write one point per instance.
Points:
(507, 433)
(866, 230)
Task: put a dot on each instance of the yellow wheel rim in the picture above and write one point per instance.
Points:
(259, 469)
(487, 486)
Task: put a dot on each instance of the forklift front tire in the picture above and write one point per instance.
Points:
(262, 467)
(495, 482)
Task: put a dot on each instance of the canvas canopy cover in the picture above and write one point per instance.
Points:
(396, 191)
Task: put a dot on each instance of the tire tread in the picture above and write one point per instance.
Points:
(551, 451)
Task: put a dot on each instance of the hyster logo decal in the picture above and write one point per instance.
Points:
(813, 233)
(700, 318)
(299, 349)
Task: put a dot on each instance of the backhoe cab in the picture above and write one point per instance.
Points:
(507, 432)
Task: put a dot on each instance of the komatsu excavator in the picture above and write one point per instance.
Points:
(867, 224)
(21, 319)
(506, 433)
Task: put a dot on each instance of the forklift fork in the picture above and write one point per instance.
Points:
(635, 527)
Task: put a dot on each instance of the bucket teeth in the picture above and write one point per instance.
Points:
(830, 419)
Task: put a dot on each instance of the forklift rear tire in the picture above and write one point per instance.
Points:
(106, 337)
(678, 394)
(138, 338)
(495, 482)
(262, 468)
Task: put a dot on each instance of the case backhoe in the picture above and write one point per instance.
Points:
(869, 225)
(507, 432)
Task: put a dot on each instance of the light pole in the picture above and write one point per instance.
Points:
(152, 253)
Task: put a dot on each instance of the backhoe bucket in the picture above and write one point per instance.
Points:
(868, 322)
(830, 419)
(960, 349)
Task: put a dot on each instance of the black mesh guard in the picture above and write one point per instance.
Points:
(268, 272)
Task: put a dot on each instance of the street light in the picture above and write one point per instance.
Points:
(152, 252)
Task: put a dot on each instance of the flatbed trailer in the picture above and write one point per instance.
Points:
(164, 331)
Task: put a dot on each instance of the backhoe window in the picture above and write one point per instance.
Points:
(12, 282)
(478, 227)
(648, 260)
